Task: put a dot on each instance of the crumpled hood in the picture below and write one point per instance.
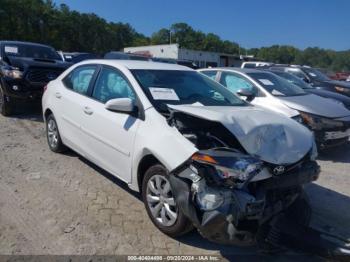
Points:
(332, 95)
(264, 134)
(316, 105)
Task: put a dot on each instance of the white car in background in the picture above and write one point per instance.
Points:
(252, 64)
(328, 119)
(198, 153)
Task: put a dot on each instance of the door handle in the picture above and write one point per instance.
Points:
(58, 95)
(88, 110)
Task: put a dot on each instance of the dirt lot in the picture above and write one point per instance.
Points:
(62, 204)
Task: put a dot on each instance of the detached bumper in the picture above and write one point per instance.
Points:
(241, 211)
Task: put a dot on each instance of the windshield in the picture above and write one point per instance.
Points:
(293, 79)
(176, 87)
(315, 74)
(31, 51)
(276, 85)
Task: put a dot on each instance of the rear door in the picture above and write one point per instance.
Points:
(110, 135)
(72, 100)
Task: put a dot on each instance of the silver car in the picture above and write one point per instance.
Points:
(329, 120)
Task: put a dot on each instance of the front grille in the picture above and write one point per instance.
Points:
(42, 75)
(282, 193)
(289, 168)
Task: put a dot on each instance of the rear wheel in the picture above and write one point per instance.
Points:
(160, 203)
(5, 105)
(53, 135)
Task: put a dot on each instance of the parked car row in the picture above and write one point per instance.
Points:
(224, 150)
(316, 78)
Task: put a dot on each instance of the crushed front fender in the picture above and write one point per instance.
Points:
(233, 216)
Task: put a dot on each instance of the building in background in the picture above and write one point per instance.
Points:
(174, 51)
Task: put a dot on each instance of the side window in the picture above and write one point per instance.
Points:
(211, 74)
(79, 79)
(296, 72)
(112, 84)
(235, 82)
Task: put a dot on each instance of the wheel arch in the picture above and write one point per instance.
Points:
(47, 113)
(146, 162)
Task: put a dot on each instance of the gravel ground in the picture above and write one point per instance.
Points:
(62, 204)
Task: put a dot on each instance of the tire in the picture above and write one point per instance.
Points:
(166, 203)
(53, 136)
(300, 211)
(6, 107)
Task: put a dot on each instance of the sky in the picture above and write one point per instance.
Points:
(252, 23)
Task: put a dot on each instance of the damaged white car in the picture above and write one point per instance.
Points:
(200, 155)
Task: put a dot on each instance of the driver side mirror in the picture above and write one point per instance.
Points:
(249, 94)
(122, 105)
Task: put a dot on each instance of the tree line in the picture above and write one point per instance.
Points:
(45, 22)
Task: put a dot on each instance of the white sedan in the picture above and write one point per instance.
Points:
(198, 153)
(328, 119)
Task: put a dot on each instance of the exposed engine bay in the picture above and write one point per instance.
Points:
(231, 196)
(202, 133)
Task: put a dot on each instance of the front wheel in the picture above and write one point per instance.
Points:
(160, 203)
(53, 136)
(5, 105)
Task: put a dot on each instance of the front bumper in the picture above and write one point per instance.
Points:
(243, 211)
(333, 137)
(21, 90)
(328, 137)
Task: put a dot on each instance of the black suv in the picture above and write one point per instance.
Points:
(25, 68)
(316, 78)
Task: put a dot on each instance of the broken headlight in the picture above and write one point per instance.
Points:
(208, 198)
(298, 118)
(229, 165)
(319, 123)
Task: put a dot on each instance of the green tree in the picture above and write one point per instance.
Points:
(42, 21)
(161, 37)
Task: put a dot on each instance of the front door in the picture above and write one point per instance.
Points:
(111, 135)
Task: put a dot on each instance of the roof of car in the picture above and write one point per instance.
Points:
(135, 64)
(21, 43)
(237, 69)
